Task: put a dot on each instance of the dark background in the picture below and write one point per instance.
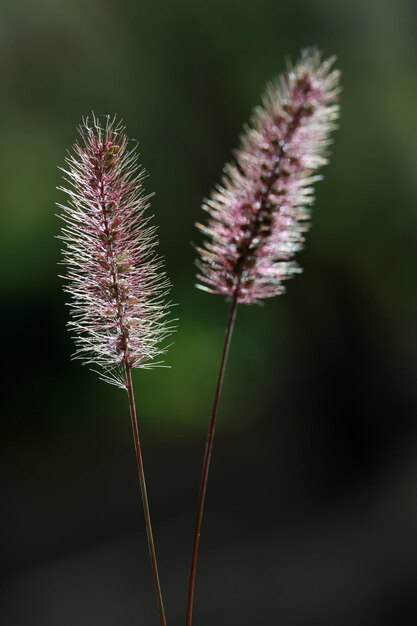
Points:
(312, 504)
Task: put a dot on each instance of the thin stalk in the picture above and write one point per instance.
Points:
(207, 457)
(141, 472)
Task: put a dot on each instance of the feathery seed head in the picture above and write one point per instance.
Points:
(114, 278)
(257, 217)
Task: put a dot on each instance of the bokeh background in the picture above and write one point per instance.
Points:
(312, 505)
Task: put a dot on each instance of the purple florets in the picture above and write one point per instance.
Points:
(114, 278)
(258, 216)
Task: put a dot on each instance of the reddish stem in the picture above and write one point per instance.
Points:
(141, 472)
(207, 456)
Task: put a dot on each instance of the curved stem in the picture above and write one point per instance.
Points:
(207, 457)
(141, 472)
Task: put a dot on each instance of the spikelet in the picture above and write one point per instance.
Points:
(259, 214)
(114, 278)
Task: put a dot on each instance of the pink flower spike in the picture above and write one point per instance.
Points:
(114, 278)
(259, 214)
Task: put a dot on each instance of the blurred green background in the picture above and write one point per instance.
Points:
(312, 515)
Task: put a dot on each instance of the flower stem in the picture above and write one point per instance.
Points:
(207, 456)
(141, 472)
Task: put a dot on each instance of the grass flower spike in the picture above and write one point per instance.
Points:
(259, 214)
(114, 278)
